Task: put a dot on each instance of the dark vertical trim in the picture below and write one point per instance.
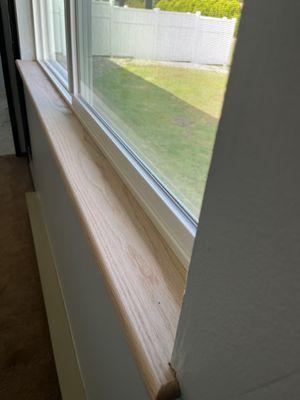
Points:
(69, 45)
(17, 55)
(14, 43)
(8, 89)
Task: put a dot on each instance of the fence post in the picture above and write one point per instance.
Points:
(156, 35)
(111, 13)
(196, 47)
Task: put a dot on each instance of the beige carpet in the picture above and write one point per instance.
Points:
(27, 369)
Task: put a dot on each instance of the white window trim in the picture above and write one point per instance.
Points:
(176, 226)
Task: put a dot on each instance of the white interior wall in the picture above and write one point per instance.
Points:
(239, 332)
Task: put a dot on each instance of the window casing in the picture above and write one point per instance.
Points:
(71, 68)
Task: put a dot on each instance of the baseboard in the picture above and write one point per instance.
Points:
(67, 366)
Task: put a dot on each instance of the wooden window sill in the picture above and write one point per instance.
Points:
(144, 278)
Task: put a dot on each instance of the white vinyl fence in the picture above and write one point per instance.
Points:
(160, 35)
(154, 34)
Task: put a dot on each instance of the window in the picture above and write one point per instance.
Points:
(148, 80)
(51, 37)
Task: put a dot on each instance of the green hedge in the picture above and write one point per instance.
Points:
(211, 8)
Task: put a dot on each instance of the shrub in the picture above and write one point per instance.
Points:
(211, 8)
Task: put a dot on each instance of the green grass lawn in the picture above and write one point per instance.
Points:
(169, 115)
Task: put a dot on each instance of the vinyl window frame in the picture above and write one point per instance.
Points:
(173, 221)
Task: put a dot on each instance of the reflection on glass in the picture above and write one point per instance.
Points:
(56, 35)
(59, 32)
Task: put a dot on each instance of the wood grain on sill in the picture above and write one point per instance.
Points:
(144, 278)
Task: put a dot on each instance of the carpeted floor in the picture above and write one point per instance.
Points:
(27, 369)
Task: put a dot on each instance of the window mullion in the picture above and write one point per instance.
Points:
(72, 46)
(85, 48)
(69, 44)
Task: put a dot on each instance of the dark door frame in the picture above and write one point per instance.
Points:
(9, 48)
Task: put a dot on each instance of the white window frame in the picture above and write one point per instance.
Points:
(169, 216)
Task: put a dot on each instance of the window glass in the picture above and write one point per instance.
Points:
(157, 73)
(59, 32)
